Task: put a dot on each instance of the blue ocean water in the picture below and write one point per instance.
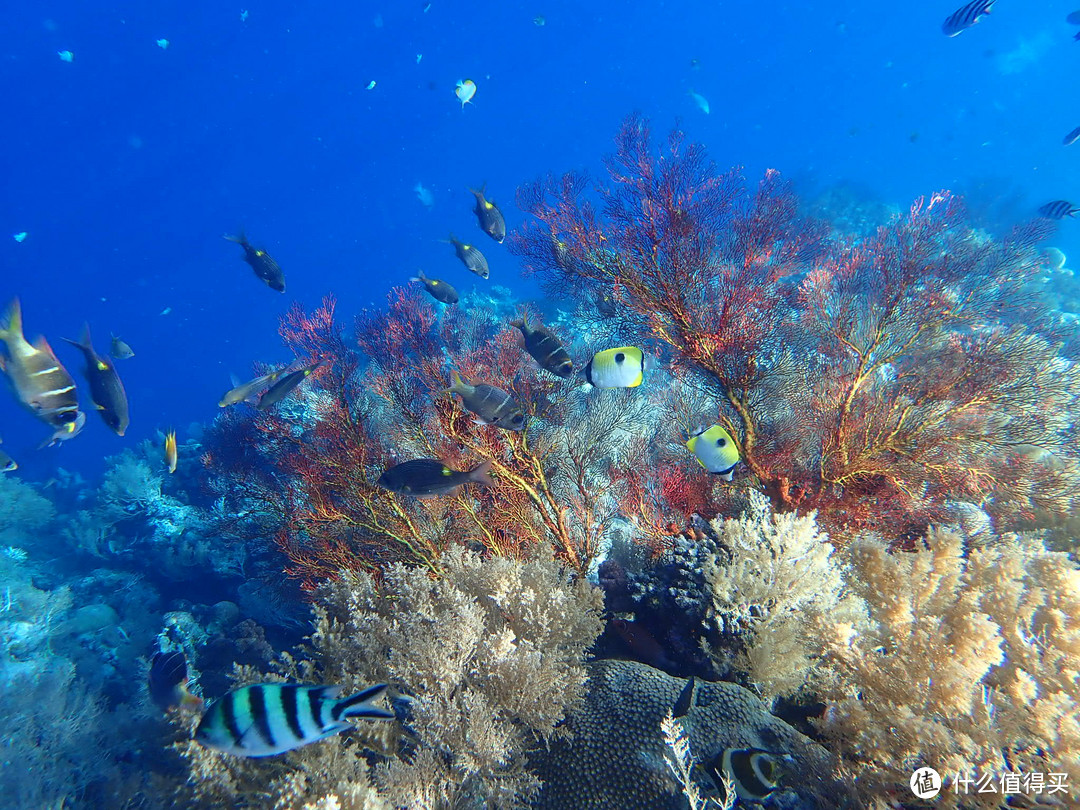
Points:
(126, 165)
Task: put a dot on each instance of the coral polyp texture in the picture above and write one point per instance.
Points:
(615, 755)
(871, 378)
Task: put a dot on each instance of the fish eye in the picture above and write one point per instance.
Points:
(620, 357)
(721, 442)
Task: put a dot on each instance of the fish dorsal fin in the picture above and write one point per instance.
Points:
(42, 345)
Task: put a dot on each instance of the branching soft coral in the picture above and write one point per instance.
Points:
(490, 656)
(969, 665)
(769, 579)
(23, 510)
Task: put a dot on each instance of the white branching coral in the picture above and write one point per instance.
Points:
(969, 665)
(771, 578)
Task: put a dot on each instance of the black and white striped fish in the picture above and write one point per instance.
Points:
(271, 718)
(41, 382)
(1058, 209)
(963, 18)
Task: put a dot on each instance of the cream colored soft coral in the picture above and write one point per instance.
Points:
(489, 657)
(969, 665)
(770, 579)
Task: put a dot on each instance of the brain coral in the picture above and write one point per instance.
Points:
(616, 756)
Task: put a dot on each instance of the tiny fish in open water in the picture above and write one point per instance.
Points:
(715, 451)
(429, 477)
(623, 367)
(119, 349)
(492, 405)
(545, 348)
(489, 216)
(963, 18)
(424, 195)
(701, 101)
(271, 718)
(471, 257)
(171, 457)
(1072, 137)
(268, 271)
(1058, 209)
(106, 390)
(465, 90)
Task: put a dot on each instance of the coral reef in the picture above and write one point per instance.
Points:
(770, 577)
(309, 469)
(869, 378)
(488, 658)
(615, 756)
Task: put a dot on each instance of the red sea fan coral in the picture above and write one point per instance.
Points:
(310, 468)
(872, 379)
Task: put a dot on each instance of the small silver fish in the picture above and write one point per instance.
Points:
(119, 349)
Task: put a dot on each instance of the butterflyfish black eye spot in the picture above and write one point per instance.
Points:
(721, 442)
(620, 357)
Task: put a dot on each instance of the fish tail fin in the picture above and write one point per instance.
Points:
(239, 237)
(479, 474)
(11, 321)
(84, 339)
(190, 702)
(419, 277)
(359, 705)
(457, 384)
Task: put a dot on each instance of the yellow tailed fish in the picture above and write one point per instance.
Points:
(170, 451)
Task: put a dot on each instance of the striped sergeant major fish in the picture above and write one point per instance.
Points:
(963, 18)
(271, 718)
(1058, 209)
(41, 382)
